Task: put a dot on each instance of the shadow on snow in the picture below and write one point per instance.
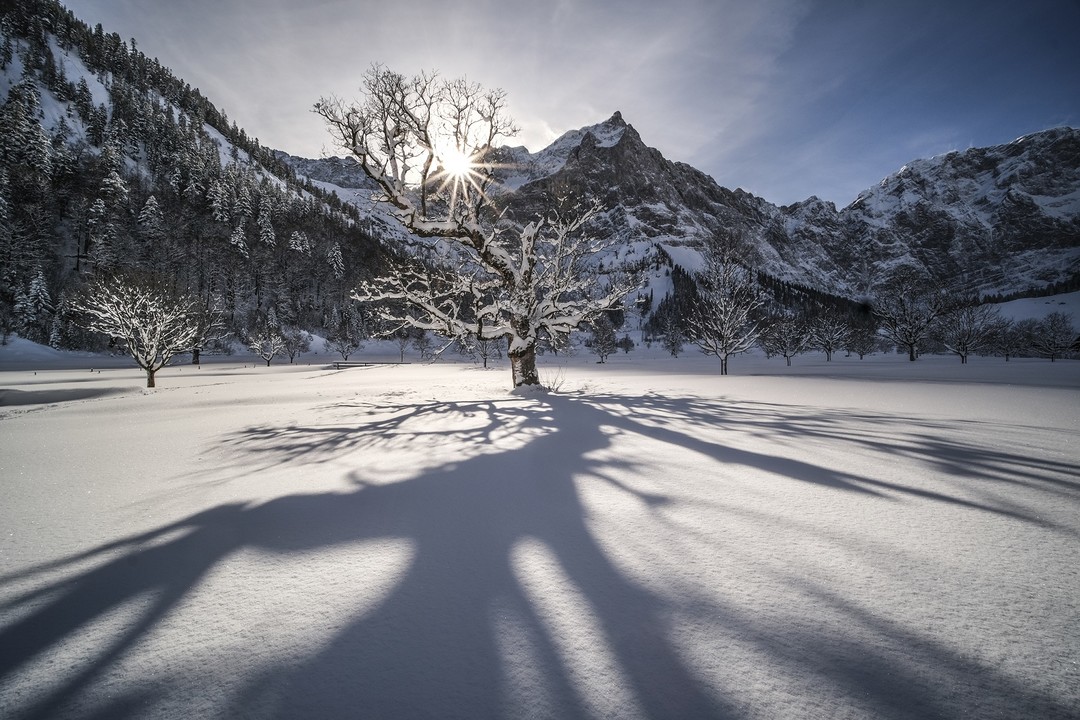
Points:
(431, 648)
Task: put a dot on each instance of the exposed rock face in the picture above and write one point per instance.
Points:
(991, 219)
(341, 172)
(996, 219)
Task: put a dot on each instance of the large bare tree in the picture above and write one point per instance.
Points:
(474, 269)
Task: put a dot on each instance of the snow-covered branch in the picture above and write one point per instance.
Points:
(153, 321)
(425, 142)
(727, 320)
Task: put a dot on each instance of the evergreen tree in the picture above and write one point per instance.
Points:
(266, 221)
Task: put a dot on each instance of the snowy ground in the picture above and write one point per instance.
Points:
(874, 539)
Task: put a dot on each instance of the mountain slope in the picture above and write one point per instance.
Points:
(991, 220)
(109, 163)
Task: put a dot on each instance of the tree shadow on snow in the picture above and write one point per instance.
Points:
(435, 645)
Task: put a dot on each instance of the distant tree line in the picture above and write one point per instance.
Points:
(728, 308)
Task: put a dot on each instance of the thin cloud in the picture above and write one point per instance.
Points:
(786, 98)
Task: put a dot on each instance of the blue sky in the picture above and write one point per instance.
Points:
(784, 98)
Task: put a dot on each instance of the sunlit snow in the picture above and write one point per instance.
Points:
(854, 539)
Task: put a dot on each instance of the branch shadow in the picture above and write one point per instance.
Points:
(11, 398)
(433, 646)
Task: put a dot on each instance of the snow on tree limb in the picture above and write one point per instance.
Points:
(152, 320)
(426, 141)
(726, 322)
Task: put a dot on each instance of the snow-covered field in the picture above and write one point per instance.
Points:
(875, 539)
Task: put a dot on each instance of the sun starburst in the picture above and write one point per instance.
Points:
(456, 164)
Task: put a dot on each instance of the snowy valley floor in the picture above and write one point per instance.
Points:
(872, 539)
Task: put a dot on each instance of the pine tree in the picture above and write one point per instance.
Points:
(236, 239)
(151, 221)
(32, 309)
(337, 264)
(219, 201)
(266, 220)
(299, 242)
(114, 191)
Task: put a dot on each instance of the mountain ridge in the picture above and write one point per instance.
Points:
(996, 220)
(990, 220)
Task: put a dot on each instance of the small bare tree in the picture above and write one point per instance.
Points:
(829, 332)
(297, 341)
(211, 330)
(424, 345)
(403, 337)
(482, 350)
(968, 328)
(785, 335)
(1053, 336)
(1013, 338)
(267, 344)
(604, 341)
(426, 142)
(864, 339)
(907, 306)
(674, 337)
(150, 318)
(725, 322)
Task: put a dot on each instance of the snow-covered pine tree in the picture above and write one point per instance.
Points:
(266, 220)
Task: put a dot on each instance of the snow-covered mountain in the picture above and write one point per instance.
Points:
(993, 220)
(109, 163)
(996, 220)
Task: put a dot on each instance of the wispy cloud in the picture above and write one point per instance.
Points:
(785, 98)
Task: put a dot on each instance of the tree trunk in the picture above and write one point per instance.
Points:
(788, 361)
(723, 366)
(523, 365)
(911, 353)
(195, 356)
(150, 378)
(268, 361)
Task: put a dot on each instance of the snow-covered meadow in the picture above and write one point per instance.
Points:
(874, 539)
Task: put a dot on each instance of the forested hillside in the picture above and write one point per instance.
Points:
(109, 163)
